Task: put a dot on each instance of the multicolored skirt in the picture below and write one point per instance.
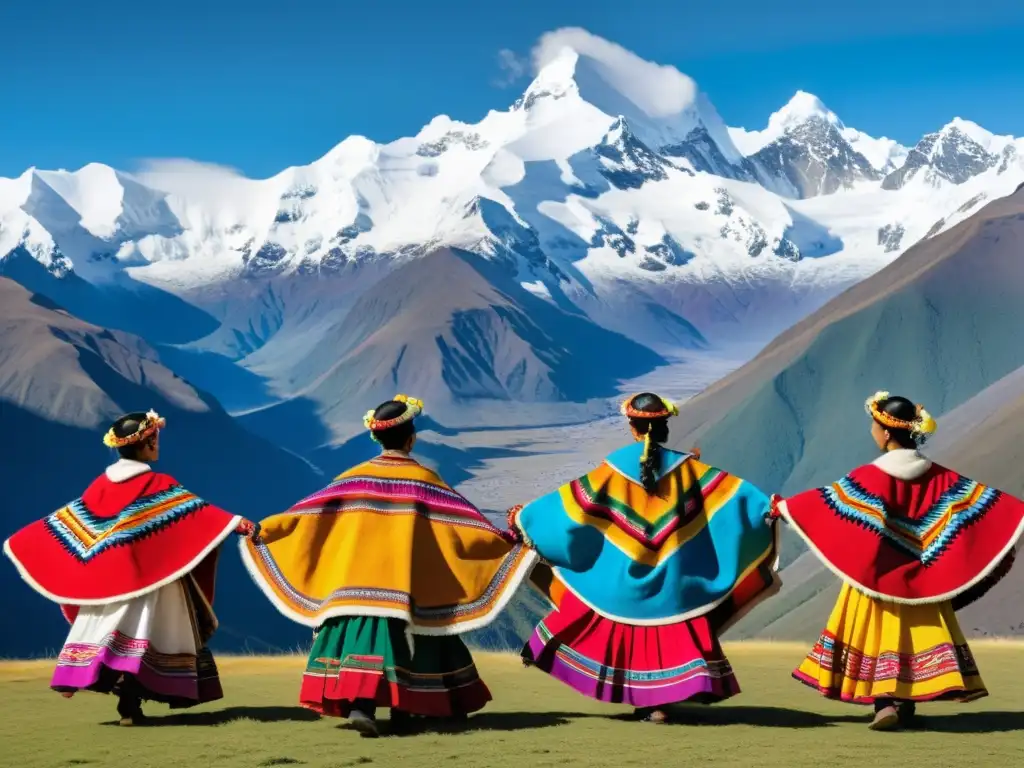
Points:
(627, 664)
(157, 639)
(370, 659)
(872, 649)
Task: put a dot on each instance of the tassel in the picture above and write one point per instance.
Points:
(647, 447)
(926, 424)
(410, 641)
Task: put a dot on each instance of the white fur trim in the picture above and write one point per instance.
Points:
(784, 512)
(228, 530)
(903, 464)
(522, 572)
(126, 469)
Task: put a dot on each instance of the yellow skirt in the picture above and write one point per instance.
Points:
(872, 649)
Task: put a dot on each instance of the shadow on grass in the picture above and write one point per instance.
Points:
(763, 717)
(230, 714)
(485, 721)
(971, 722)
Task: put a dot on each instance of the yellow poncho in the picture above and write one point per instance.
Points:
(387, 538)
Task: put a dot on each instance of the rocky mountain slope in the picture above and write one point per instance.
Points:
(633, 211)
(61, 382)
(940, 325)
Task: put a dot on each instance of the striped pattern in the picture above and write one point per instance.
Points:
(608, 502)
(698, 542)
(327, 668)
(916, 667)
(369, 659)
(179, 679)
(715, 669)
(85, 535)
(924, 537)
(384, 496)
(660, 517)
(388, 538)
(395, 600)
(123, 647)
(871, 649)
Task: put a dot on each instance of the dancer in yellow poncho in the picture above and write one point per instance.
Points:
(385, 551)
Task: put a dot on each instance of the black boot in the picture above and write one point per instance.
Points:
(908, 713)
(129, 702)
(401, 722)
(363, 718)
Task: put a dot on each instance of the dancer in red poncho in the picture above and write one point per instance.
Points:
(913, 542)
(132, 564)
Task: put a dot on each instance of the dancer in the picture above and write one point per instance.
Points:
(132, 564)
(912, 542)
(390, 565)
(653, 554)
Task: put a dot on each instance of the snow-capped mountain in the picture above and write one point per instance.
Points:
(957, 153)
(806, 150)
(619, 201)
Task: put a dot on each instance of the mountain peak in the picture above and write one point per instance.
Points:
(802, 107)
(662, 105)
(987, 140)
(598, 66)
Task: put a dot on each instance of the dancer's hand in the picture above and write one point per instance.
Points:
(512, 532)
(249, 529)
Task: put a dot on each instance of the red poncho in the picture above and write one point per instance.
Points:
(121, 540)
(922, 537)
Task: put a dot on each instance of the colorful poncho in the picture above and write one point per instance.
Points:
(698, 544)
(387, 538)
(121, 540)
(906, 530)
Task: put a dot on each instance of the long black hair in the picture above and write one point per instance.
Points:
(655, 432)
(395, 438)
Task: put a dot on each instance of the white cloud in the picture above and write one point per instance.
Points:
(160, 172)
(512, 66)
(197, 182)
(657, 89)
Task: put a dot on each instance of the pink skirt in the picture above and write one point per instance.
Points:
(644, 666)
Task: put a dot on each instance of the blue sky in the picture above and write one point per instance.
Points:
(262, 85)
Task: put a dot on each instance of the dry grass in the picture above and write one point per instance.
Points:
(533, 721)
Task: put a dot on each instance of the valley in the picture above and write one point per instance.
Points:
(521, 274)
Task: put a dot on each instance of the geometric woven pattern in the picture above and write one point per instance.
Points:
(929, 539)
(388, 538)
(121, 540)
(697, 542)
(924, 537)
(85, 535)
(656, 524)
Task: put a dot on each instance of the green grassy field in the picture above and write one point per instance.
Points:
(533, 721)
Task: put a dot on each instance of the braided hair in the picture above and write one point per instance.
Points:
(654, 431)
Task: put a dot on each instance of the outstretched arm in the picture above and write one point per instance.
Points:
(547, 527)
